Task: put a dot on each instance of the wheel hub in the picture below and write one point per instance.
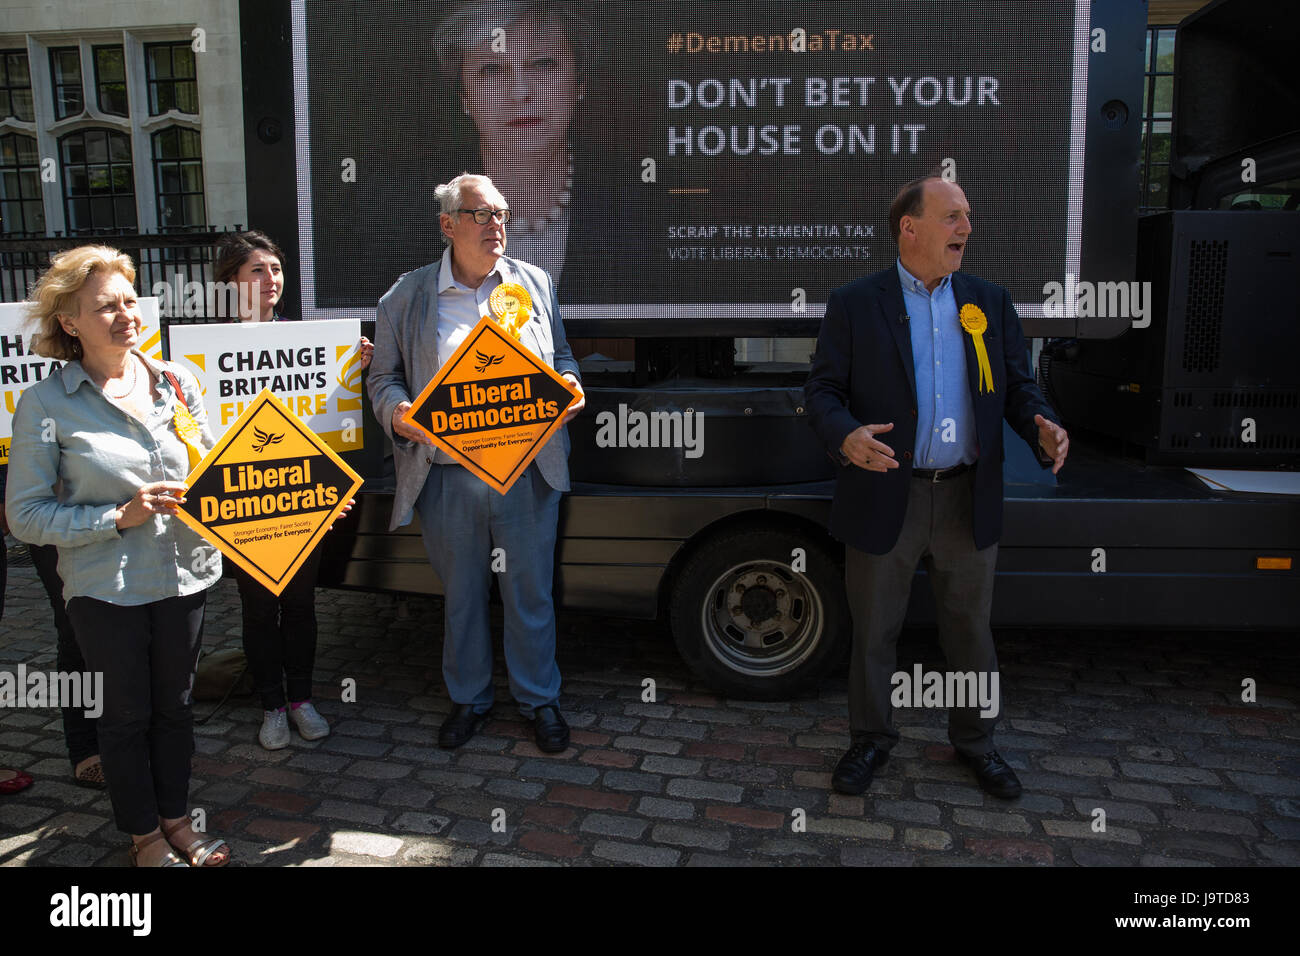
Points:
(758, 604)
(762, 618)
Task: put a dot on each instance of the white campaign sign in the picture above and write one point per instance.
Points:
(19, 368)
(314, 368)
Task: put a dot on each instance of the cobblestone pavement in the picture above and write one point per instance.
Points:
(1149, 727)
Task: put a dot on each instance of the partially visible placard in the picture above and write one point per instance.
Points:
(314, 368)
(20, 368)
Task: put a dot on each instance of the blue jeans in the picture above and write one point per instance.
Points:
(463, 521)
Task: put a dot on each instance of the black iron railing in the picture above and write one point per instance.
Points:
(179, 260)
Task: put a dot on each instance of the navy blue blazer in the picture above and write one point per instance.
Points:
(863, 374)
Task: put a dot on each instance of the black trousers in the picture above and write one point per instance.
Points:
(280, 634)
(78, 730)
(937, 531)
(147, 654)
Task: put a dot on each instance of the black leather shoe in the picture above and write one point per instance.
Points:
(993, 774)
(853, 773)
(461, 724)
(549, 729)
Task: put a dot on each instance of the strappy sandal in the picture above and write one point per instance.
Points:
(171, 859)
(199, 850)
(91, 776)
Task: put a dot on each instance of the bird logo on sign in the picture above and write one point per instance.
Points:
(485, 362)
(262, 439)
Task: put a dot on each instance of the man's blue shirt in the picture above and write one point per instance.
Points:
(943, 402)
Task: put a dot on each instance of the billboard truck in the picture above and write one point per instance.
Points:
(698, 176)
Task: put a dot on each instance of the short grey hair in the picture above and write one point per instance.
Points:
(473, 25)
(449, 194)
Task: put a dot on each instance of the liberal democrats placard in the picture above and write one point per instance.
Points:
(268, 492)
(493, 405)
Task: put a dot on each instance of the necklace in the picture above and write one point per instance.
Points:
(135, 375)
(555, 214)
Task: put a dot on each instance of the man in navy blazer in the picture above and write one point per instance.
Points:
(420, 323)
(932, 360)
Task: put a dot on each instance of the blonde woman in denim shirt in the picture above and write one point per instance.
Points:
(100, 450)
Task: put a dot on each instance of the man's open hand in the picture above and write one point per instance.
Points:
(863, 450)
(1053, 440)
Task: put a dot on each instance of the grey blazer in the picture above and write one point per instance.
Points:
(406, 359)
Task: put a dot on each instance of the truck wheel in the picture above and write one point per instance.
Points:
(751, 627)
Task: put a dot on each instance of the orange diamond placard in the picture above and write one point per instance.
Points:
(492, 405)
(268, 492)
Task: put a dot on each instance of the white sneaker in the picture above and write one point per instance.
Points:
(274, 734)
(309, 722)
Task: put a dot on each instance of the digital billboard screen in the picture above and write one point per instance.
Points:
(686, 160)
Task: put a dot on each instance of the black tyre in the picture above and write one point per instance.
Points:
(751, 627)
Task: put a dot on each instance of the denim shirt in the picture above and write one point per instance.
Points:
(76, 458)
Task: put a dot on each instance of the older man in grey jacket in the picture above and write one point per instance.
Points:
(421, 321)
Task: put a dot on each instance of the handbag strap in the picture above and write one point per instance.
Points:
(176, 386)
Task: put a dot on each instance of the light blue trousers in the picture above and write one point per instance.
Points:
(463, 521)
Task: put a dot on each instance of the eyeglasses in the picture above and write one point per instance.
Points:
(481, 216)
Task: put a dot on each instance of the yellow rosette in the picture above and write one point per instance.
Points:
(187, 430)
(974, 321)
(511, 304)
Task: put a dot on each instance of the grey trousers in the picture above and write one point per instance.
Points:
(937, 530)
(463, 521)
